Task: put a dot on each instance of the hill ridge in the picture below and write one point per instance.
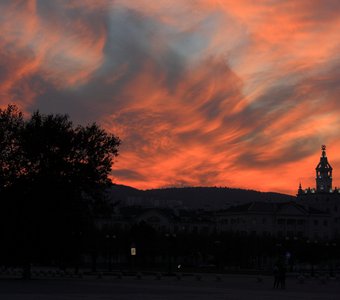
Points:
(201, 197)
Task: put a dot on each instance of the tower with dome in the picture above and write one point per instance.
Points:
(323, 197)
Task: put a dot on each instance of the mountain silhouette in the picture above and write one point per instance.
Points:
(210, 198)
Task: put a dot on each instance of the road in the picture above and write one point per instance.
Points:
(148, 287)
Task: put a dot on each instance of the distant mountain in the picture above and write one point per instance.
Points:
(192, 197)
(120, 192)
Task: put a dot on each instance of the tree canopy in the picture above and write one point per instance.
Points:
(53, 177)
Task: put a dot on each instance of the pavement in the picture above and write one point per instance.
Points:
(207, 286)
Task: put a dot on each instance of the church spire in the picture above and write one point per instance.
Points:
(323, 173)
(300, 191)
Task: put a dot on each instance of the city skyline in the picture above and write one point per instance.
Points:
(201, 93)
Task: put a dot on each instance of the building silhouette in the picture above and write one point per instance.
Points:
(323, 197)
(313, 214)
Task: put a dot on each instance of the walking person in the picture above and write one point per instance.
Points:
(282, 275)
(276, 276)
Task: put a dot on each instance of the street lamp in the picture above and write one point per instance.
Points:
(217, 244)
(133, 253)
(110, 238)
(77, 248)
(171, 241)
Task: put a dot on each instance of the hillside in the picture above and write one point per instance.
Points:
(192, 197)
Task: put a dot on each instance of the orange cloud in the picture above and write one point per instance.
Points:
(60, 50)
(207, 92)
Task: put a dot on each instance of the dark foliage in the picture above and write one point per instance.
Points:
(53, 176)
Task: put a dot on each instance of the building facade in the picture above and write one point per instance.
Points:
(314, 215)
(324, 196)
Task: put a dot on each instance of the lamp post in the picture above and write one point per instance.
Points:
(217, 244)
(133, 253)
(110, 238)
(78, 239)
(170, 249)
(329, 255)
(314, 254)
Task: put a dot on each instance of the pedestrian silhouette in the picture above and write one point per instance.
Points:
(282, 275)
(276, 276)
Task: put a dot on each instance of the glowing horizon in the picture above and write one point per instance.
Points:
(201, 92)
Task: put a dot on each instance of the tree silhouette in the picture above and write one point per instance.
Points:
(11, 159)
(52, 183)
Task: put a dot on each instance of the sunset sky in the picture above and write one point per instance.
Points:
(201, 92)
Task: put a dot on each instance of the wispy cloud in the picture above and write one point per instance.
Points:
(205, 92)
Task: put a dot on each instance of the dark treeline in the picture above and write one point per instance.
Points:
(53, 176)
(216, 252)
